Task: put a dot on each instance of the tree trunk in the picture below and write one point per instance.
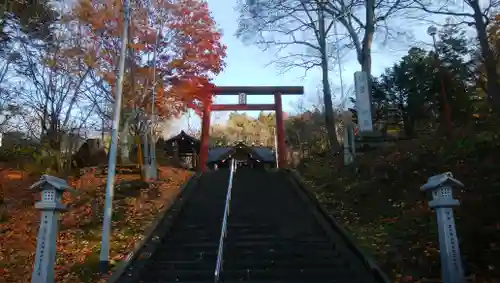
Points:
(365, 58)
(140, 160)
(490, 62)
(124, 143)
(327, 92)
(408, 121)
(146, 151)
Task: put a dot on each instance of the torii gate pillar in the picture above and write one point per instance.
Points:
(280, 132)
(205, 136)
(243, 106)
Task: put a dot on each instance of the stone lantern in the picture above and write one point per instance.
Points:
(50, 205)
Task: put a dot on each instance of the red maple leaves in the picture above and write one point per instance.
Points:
(189, 49)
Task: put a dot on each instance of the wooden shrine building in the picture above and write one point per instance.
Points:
(182, 150)
(246, 156)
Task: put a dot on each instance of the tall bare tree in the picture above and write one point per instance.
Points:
(300, 31)
(8, 107)
(362, 19)
(291, 24)
(54, 85)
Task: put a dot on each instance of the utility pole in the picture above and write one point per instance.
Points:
(110, 182)
(153, 172)
(339, 63)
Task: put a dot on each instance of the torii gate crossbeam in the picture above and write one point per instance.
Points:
(243, 106)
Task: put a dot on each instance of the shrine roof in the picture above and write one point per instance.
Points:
(182, 136)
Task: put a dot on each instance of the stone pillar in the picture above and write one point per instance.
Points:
(442, 201)
(50, 205)
(349, 146)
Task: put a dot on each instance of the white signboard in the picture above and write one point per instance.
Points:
(363, 105)
(242, 98)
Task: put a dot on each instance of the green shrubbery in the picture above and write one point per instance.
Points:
(29, 158)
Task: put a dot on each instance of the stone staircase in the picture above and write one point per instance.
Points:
(275, 234)
(188, 250)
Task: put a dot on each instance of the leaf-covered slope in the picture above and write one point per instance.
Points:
(380, 203)
(135, 206)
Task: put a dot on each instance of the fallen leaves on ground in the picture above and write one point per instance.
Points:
(135, 206)
(379, 201)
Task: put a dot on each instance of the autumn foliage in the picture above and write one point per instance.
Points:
(135, 206)
(189, 50)
(494, 34)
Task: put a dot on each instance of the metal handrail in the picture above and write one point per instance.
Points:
(223, 233)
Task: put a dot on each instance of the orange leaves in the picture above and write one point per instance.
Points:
(137, 46)
(189, 49)
(176, 63)
(109, 77)
(200, 52)
(493, 30)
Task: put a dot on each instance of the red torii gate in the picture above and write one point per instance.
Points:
(242, 91)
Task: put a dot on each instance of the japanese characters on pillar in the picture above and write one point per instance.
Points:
(242, 98)
(50, 205)
(441, 186)
(363, 104)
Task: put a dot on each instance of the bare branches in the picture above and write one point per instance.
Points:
(445, 8)
(299, 31)
(291, 28)
(55, 86)
(468, 12)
